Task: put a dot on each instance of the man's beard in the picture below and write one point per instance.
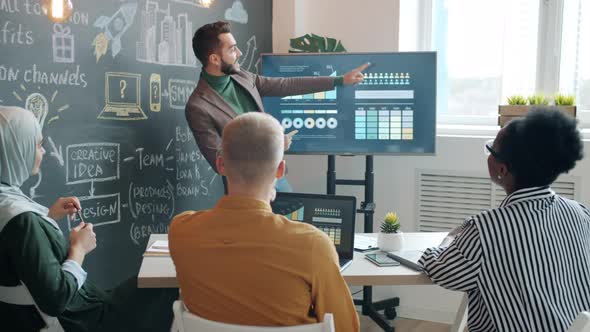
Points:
(230, 68)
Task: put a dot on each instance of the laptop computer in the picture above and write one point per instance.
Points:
(332, 214)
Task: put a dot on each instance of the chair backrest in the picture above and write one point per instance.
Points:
(188, 322)
(20, 295)
(582, 323)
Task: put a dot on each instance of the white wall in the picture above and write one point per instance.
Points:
(372, 26)
(362, 26)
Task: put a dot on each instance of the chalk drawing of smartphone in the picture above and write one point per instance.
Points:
(155, 93)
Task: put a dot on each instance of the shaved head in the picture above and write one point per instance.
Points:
(253, 147)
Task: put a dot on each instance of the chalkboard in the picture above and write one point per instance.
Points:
(109, 88)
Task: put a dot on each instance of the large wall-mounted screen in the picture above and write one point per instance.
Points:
(393, 111)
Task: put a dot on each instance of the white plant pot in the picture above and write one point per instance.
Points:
(390, 241)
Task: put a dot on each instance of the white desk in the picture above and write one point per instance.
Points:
(159, 272)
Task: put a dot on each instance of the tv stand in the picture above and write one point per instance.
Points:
(369, 308)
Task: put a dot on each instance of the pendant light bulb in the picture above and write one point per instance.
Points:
(206, 3)
(58, 11)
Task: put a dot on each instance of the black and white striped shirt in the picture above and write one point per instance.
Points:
(524, 265)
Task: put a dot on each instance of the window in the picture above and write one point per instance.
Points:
(489, 50)
(486, 51)
(574, 74)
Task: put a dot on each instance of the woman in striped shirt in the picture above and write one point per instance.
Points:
(526, 264)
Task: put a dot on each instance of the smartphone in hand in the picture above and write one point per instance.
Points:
(381, 260)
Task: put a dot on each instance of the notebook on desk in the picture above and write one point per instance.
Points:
(158, 248)
(364, 243)
(332, 214)
(407, 258)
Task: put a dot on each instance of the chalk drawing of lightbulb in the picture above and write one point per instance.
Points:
(37, 103)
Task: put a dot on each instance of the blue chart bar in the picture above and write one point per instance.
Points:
(296, 215)
(331, 94)
(318, 96)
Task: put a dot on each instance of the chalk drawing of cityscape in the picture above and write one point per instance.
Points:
(165, 39)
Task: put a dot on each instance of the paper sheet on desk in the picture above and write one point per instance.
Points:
(364, 242)
(158, 248)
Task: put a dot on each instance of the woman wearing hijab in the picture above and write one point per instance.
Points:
(526, 264)
(34, 254)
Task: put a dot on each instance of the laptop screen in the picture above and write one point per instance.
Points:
(332, 214)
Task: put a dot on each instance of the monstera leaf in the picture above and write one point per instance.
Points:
(312, 43)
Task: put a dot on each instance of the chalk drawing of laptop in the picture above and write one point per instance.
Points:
(122, 97)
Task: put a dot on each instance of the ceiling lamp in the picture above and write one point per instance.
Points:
(57, 11)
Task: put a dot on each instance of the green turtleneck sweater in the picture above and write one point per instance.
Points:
(231, 92)
(235, 95)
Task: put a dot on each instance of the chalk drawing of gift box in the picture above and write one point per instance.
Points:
(63, 44)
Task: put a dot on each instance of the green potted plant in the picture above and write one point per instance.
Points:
(517, 100)
(390, 238)
(518, 106)
(538, 99)
(566, 103)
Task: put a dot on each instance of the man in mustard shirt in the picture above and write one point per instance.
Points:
(239, 262)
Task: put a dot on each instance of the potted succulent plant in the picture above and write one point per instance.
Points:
(518, 106)
(390, 238)
(564, 100)
(538, 99)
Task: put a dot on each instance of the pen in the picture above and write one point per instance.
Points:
(79, 215)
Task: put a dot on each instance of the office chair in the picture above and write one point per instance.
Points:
(184, 321)
(20, 295)
(582, 323)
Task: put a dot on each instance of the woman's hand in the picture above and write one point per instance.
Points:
(82, 241)
(64, 206)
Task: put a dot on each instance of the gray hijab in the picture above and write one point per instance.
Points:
(19, 134)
